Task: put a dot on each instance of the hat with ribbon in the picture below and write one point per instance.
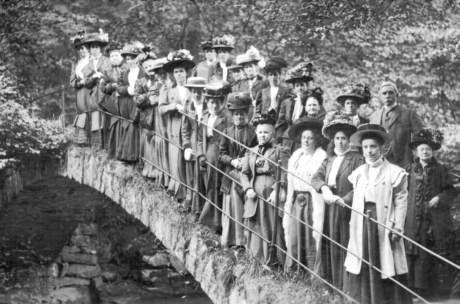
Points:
(370, 128)
(359, 92)
(239, 100)
(179, 58)
(100, 37)
(217, 89)
(195, 82)
(431, 137)
(340, 121)
(303, 71)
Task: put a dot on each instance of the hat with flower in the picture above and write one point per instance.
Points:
(316, 93)
(79, 38)
(179, 58)
(359, 92)
(100, 37)
(303, 71)
(147, 53)
(431, 137)
(224, 42)
(217, 89)
(206, 44)
(251, 56)
(340, 121)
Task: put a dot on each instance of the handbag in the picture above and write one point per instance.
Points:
(146, 118)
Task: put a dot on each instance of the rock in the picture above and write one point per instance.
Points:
(155, 277)
(88, 250)
(63, 282)
(71, 295)
(177, 265)
(96, 282)
(86, 229)
(70, 249)
(81, 240)
(157, 260)
(80, 258)
(84, 271)
(65, 269)
(53, 270)
(111, 273)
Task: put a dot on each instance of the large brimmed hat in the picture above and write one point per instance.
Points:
(431, 137)
(206, 44)
(303, 71)
(275, 64)
(265, 118)
(339, 121)
(359, 92)
(369, 128)
(224, 42)
(100, 37)
(79, 38)
(195, 82)
(252, 55)
(240, 100)
(303, 124)
(219, 89)
(131, 50)
(179, 58)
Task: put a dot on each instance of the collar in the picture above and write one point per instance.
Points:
(96, 58)
(391, 107)
(340, 154)
(210, 62)
(375, 164)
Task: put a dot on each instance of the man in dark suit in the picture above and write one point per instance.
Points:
(399, 121)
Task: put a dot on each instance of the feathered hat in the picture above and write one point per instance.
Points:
(224, 42)
(303, 71)
(252, 55)
(78, 39)
(316, 93)
(179, 58)
(431, 137)
(206, 44)
(339, 121)
(360, 92)
(147, 53)
(275, 64)
(100, 37)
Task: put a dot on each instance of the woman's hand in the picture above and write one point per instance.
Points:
(327, 194)
(188, 153)
(251, 194)
(97, 75)
(434, 202)
(337, 199)
(394, 236)
(236, 164)
(179, 107)
(203, 163)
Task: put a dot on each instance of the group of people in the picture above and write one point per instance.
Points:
(227, 132)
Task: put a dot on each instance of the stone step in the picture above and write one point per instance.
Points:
(84, 271)
(79, 258)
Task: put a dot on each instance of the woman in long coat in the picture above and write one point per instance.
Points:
(258, 178)
(232, 155)
(214, 118)
(332, 179)
(172, 102)
(129, 148)
(429, 222)
(303, 202)
(93, 71)
(82, 121)
(381, 188)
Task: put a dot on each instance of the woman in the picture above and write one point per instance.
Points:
(291, 108)
(352, 97)
(194, 108)
(146, 88)
(203, 68)
(429, 222)
(332, 179)
(258, 178)
(172, 102)
(82, 121)
(129, 149)
(381, 188)
(231, 156)
(219, 69)
(303, 202)
(108, 86)
(214, 118)
(93, 73)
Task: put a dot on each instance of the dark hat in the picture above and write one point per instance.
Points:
(113, 46)
(234, 66)
(360, 92)
(100, 37)
(431, 137)
(130, 50)
(179, 58)
(303, 124)
(303, 71)
(206, 44)
(218, 89)
(275, 64)
(195, 82)
(79, 38)
(265, 119)
(240, 100)
(316, 93)
(224, 42)
(339, 121)
(369, 128)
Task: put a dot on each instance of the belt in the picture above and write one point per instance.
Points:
(263, 173)
(300, 192)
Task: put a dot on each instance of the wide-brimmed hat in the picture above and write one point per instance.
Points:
(251, 55)
(195, 82)
(79, 38)
(224, 42)
(265, 118)
(100, 37)
(303, 124)
(275, 64)
(369, 128)
(239, 100)
(158, 63)
(207, 44)
(219, 89)
(131, 50)
(431, 137)
(303, 71)
(339, 121)
(359, 92)
(179, 58)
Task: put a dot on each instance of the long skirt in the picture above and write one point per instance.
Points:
(129, 149)
(302, 244)
(232, 206)
(161, 159)
(262, 225)
(97, 130)
(114, 137)
(148, 152)
(191, 181)
(210, 215)
(82, 136)
(177, 171)
(385, 290)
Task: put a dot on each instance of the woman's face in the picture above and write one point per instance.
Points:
(180, 75)
(236, 74)
(148, 67)
(273, 78)
(240, 117)
(341, 141)
(308, 140)
(250, 69)
(312, 106)
(425, 152)
(264, 135)
(210, 54)
(95, 49)
(223, 55)
(197, 95)
(350, 106)
(82, 51)
(214, 104)
(130, 60)
(372, 150)
(115, 58)
(162, 75)
(300, 87)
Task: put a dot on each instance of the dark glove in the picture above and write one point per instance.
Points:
(203, 164)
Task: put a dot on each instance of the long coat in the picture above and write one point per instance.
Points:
(82, 122)
(103, 64)
(202, 69)
(263, 99)
(243, 86)
(390, 190)
(402, 124)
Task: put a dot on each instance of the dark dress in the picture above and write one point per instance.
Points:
(430, 227)
(82, 121)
